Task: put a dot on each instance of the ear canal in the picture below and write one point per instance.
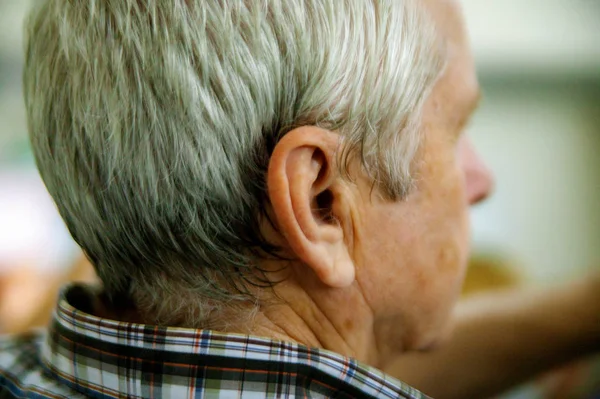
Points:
(323, 201)
(324, 206)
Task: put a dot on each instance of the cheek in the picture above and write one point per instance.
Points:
(440, 263)
(444, 239)
(445, 208)
(450, 236)
(415, 257)
(411, 255)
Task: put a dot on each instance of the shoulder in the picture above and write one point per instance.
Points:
(22, 374)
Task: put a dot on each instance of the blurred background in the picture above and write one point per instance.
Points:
(538, 128)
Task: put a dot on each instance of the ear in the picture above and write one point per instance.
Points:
(304, 193)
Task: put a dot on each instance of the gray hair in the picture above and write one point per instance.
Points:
(152, 123)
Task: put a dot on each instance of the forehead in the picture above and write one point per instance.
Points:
(458, 87)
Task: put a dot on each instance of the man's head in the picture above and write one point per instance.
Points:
(194, 148)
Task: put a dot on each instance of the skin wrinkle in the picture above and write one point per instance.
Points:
(405, 252)
(322, 316)
(360, 260)
(354, 243)
(410, 255)
(377, 350)
(301, 332)
(252, 79)
(304, 312)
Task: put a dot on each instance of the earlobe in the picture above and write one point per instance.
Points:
(301, 183)
(338, 271)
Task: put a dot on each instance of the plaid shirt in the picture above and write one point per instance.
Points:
(83, 356)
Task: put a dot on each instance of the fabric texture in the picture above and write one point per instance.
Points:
(82, 356)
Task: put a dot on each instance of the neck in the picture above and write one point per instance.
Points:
(306, 312)
(336, 320)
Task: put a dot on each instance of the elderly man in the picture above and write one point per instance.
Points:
(274, 193)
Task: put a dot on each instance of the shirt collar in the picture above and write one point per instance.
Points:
(107, 359)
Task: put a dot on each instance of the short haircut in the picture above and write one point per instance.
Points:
(152, 123)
